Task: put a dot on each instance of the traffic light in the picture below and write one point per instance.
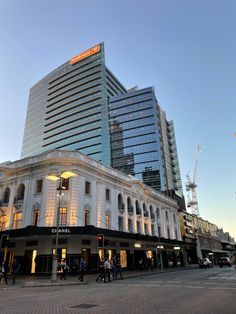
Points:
(4, 240)
(100, 240)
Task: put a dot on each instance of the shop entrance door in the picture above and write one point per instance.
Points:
(29, 265)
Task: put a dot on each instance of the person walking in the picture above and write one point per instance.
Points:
(64, 269)
(107, 267)
(15, 269)
(102, 274)
(81, 269)
(118, 268)
(4, 273)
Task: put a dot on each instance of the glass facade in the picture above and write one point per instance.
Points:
(68, 109)
(143, 141)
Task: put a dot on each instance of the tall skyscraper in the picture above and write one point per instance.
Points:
(82, 106)
(68, 108)
(143, 141)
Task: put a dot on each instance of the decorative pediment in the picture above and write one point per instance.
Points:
(138, 188)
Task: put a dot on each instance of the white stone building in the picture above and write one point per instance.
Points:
(133, 218)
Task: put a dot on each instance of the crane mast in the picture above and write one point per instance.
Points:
(191, 186)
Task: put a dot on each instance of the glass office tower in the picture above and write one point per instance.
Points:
(68, 108)
(143, 141)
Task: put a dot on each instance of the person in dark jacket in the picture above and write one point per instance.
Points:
(81, 269)
(15, 269)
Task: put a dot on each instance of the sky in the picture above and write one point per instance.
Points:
(184, 48)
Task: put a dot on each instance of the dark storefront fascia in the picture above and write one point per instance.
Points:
(31, 233)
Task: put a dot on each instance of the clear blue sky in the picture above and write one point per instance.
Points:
(184, 48)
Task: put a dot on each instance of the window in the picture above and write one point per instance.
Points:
(130, 225)
(121, 204)
(63, 216)
(153, 230)
(138, 227)
(6, 195)
(108, 221)
(176, 234)
(168, 233)
(123, 258)
(35, 217)
(174, 218)
(86, 217)
(129, 205)
(87, 187)
(146, 228)
(21, 192)
(167, 216)
(3, 222)
(121, 223)
(39, 186)
(17, 220)
(107, 195)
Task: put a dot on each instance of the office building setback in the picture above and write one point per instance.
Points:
(143, 141)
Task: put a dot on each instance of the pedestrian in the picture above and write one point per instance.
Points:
(64, 269)
(102, 275)
(4, 273)
(81, 269)
(107, 267)
(15, 269)
(118, 268)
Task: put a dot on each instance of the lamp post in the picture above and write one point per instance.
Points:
(159, 247)
(63, 175)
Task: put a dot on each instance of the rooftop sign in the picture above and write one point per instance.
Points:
(85, 54)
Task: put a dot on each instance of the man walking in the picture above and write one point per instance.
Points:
(81, 269)
(15, 269)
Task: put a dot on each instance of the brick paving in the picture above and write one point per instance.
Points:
(168, 292)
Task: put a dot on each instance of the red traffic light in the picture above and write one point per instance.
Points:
(100, 240)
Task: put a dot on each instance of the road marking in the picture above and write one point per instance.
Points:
(222, 288)
(183, 286)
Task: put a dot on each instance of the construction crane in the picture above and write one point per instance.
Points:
(191, 187)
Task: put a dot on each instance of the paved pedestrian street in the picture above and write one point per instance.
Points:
(185, 291)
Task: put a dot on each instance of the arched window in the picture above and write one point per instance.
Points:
(137, 208)
(21, 192)
(120, 202)
(151, 212)
(6, 195)
(129, 205)
(145, 212)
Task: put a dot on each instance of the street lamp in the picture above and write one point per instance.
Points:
(63, 175)
(159, 247)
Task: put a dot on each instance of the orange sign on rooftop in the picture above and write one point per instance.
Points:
(85, 54)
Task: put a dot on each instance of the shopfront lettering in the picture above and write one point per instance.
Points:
(60, 230)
